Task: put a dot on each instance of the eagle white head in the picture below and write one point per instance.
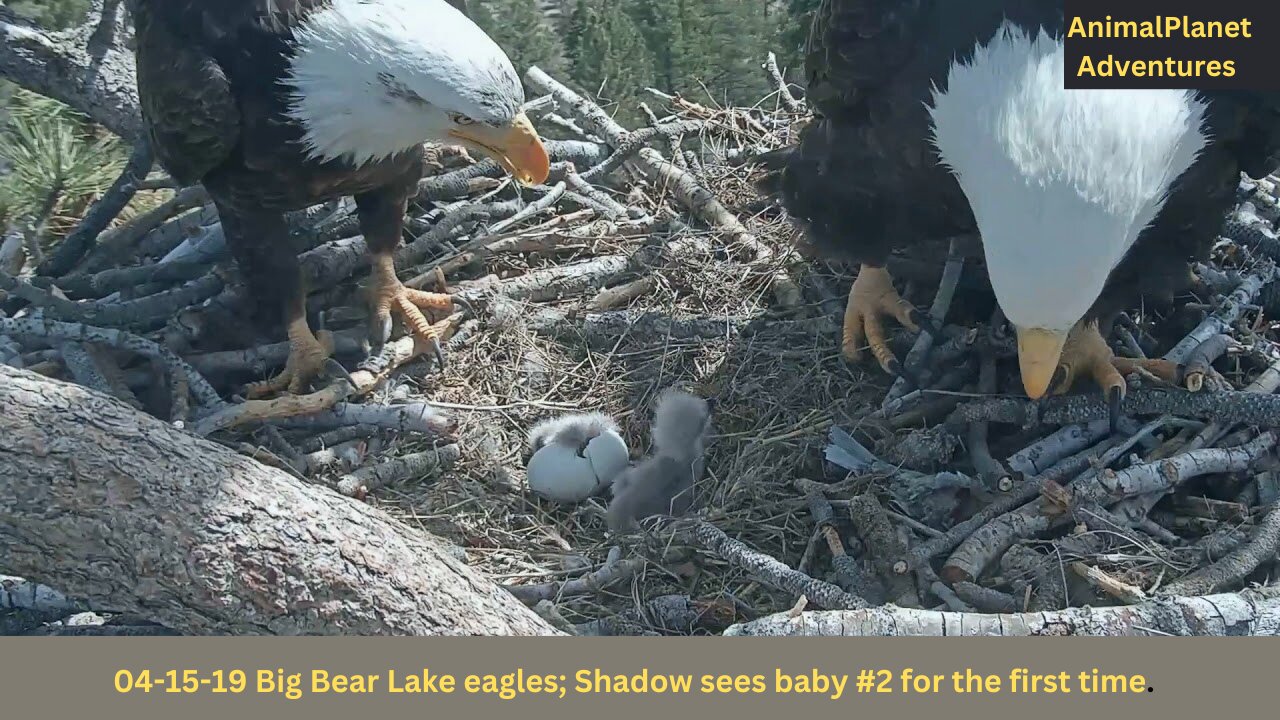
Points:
(1061, 182)
(373, 78)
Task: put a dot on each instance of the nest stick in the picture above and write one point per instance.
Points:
(204, 393)
(663, 173)
(985, 599)
(1232, 614)
(335, 437)
(1201, 359)
(260, 359)
(614, 569)
(113, 279)
(1248, 229)
(1109, 584)
(601, 202)
(1048, 451)
(1236, 566)
(417, 417)
(1104, 488)
(360, 483)
(548, 199)
(1232, 307)
(538, 237)
(555, 282)
(75, 246)
(1228, 406)
(1266, 383)
(117, 244)
(1025, 493)
(620, 295)
(919, 352)
(883, 547)
(631, 143)
(789, 101)
(987, 467)
(84, 369)
(114, 313)
(769, 570)
(370, 373)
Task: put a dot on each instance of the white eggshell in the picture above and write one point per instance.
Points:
(608, 455)
(557, 473)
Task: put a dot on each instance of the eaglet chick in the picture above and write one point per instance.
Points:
(662, 484)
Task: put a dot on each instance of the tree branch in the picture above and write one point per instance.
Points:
(101, 84)
(135, 516)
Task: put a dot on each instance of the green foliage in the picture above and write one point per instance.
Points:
(57, 162)
(520, 29)
(698, 48)
(608, 56)
(661, 22)
(793, 33)
(723, 44)
(51, 13)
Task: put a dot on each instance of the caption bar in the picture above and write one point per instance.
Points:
(594, 681)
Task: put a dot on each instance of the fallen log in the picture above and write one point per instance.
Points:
(135, 516)
(1246, 613)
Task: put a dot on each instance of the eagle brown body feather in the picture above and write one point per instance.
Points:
(208, 77)
(865, 180)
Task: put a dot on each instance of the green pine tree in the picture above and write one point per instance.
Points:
(736, 36)
(793, 33)
(608, 54)
(55, 14)
(519, 28)
(661, 25)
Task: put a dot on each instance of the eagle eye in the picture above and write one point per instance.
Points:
(461, 119)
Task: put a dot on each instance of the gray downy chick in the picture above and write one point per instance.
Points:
(573, 431)
(663, 483)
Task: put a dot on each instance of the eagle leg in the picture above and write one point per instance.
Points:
(259, 242)
(390, 295)
(308, 355)
(871, 297)
(1087, 353)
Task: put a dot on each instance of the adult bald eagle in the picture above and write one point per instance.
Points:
(276, 105)
(1087, 201)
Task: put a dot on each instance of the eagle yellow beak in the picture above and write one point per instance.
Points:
(1038, 354)
(517, 148)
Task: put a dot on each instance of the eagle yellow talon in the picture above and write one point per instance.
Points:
(390, 295)
(1085, 353)
(871, 297)
(1163, 370)
(308, 354)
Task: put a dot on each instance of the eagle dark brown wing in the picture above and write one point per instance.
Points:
(1244, 137)
(871, 66)
(856, 46)
(184, 48)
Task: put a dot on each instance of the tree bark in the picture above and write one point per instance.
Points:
(132, 515)
(83, 68)
(1246, 613)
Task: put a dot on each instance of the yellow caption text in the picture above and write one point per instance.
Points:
(293, 685)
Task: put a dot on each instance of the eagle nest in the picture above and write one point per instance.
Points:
(649, 261)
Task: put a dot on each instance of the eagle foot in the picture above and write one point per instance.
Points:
(871, 297)
(308, 356)
(1086, 353)
(390, 295)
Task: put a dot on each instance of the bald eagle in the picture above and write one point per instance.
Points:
(276, 105)
(1087, 202)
